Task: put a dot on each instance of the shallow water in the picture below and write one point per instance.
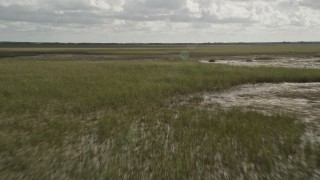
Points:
(289, 62)
(302, 100)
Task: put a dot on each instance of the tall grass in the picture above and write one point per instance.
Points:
(97, 120)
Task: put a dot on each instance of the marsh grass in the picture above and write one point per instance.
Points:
(97, 120)
(165, 49)
(264, 58)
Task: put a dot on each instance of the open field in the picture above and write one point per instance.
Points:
(157, 51)
(85, 119)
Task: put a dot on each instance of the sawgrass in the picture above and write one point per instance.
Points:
(98, 120)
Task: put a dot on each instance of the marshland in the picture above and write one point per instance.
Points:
(156, 111)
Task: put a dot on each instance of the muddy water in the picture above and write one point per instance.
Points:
(301, 100)
(289, 62)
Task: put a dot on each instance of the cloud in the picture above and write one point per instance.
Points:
(315, 4)
(122, 18)
(32, 14)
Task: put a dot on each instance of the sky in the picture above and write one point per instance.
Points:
(159, 21)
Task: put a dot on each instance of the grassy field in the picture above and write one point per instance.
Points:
(122, 120)
(152, 50)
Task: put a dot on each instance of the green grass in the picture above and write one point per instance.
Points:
(100, 120)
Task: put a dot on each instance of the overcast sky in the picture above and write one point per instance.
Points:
(159, 20)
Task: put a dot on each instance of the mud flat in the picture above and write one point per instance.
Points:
(289, 62)
(301, 100)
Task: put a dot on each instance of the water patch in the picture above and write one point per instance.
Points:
(301, 100)
(289, 62)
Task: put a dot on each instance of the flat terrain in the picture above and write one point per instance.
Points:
(159, 51)
(93, 114)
